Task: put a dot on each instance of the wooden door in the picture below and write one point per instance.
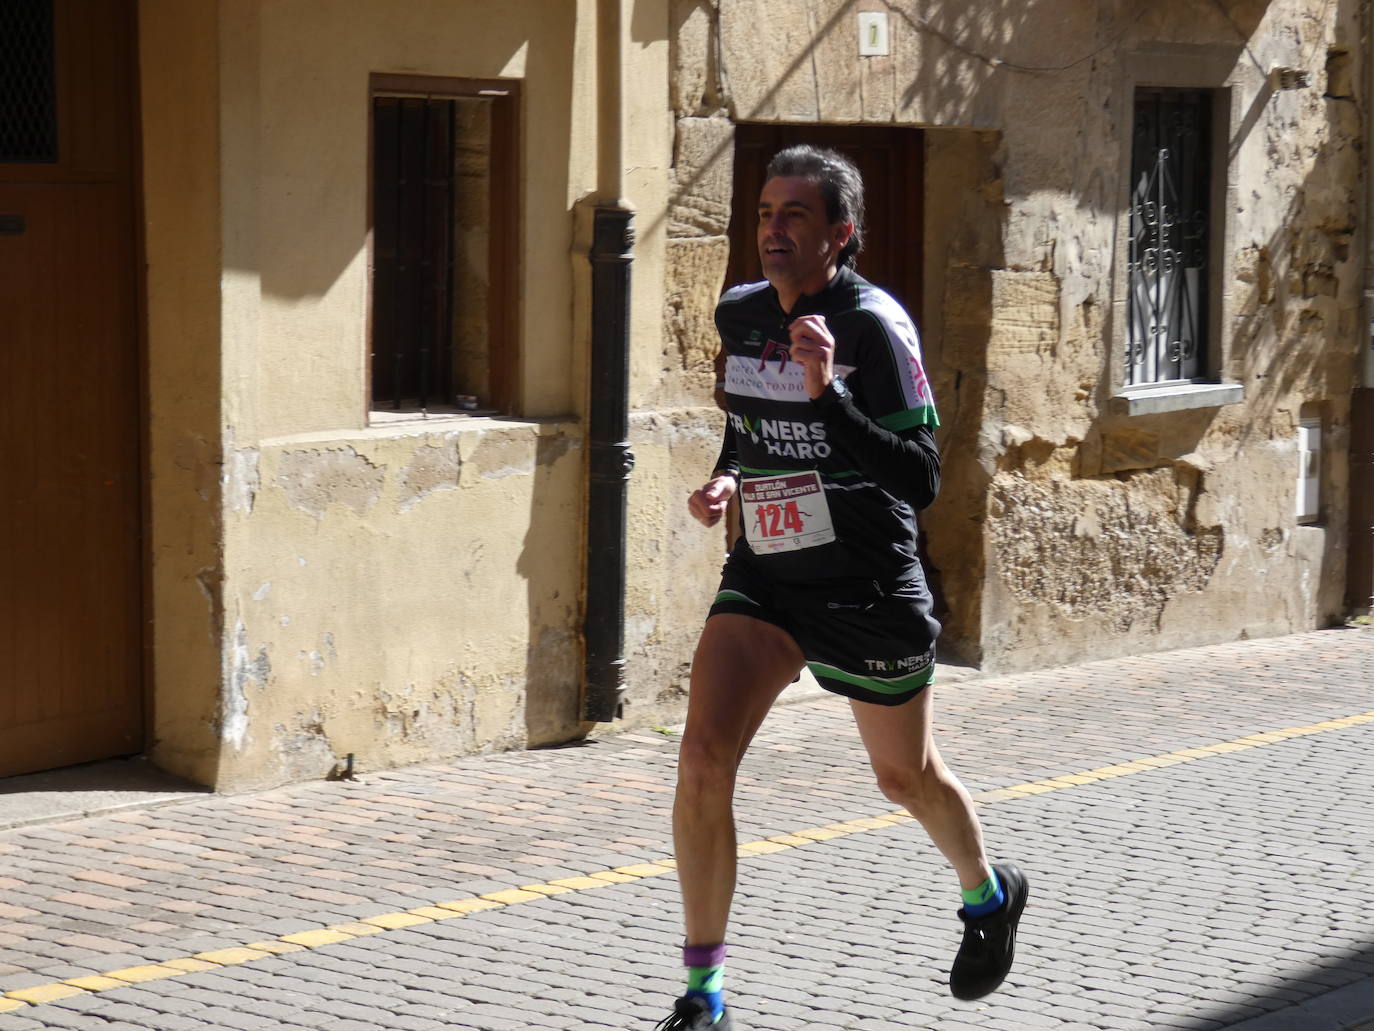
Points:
(892, 162)
(71, 686)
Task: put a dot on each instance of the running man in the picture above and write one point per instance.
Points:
(829, 443)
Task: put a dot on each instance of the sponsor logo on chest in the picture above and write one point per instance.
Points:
(785, 438)
(772, 377)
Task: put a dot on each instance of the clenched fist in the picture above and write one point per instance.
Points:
(708, 503)
(814, 347)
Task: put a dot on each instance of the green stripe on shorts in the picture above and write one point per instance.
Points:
(733, 596)
(879, 685)
(837, 474)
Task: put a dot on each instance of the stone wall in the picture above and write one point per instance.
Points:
(1070, 527)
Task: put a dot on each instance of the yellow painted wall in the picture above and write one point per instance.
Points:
(411, 590)
(179, 57)
(327, 582)
(402, 596)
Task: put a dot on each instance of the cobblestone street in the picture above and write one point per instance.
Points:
(1197, 826)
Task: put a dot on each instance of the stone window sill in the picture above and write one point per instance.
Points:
(436, 413)
(413, 425)
(1175, 397)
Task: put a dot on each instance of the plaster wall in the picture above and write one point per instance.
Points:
(405, 590)
(1068, 527)
(326, 581)
(179, 56)
(401, 596)
(305, 71)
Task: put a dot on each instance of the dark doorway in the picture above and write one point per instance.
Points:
(71, 683)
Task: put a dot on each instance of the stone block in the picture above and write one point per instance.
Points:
(696, 269)
(765, 48)
(702, 180)
(1129, 448)
(1025, 316)
(968, 296)
(691, 56)
(1101, 548)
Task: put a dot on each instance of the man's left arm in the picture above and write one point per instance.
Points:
(905, 463)
(896, 449)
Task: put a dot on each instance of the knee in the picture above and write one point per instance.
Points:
(915, 787)
(706, 767)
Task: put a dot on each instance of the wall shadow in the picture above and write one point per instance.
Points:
(553, 576)
(1317, 997)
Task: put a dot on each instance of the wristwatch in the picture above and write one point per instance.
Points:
(840, 387)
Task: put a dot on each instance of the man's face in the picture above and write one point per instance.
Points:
(798, 248)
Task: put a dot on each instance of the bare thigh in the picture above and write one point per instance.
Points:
(898, 738)
(741, 666)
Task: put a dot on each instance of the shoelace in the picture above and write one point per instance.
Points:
(675, 1021)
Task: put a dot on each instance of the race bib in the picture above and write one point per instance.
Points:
(786, 512)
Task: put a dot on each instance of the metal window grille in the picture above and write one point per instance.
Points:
(1170, 214)
(28, 91)
(413, 251)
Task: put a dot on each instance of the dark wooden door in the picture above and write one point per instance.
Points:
(71, 685)
(892, 163)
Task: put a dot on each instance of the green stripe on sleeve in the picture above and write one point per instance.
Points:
(898, 421)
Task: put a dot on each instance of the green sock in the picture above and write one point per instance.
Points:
(984, 899)
(706, 975)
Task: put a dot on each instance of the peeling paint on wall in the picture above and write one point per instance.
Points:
(304, 745)
(499, 456)
(316, 661)
(244, 671)
(434, 467)
(314, 480)
(1119, 548)
(240, 479)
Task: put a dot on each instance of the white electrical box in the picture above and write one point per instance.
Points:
(1309, 470)
(873, 34)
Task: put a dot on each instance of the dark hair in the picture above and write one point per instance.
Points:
(839, 182)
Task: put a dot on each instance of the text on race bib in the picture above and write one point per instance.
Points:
(786, 512)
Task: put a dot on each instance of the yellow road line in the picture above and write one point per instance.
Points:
(21, 998)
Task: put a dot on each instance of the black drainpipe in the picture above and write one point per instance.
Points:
(609, 462)
(1360, 556)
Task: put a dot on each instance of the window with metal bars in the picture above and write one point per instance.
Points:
(28, 90)
(1170, 216)
(443, 221)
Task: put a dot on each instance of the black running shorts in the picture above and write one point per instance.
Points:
(859, 640)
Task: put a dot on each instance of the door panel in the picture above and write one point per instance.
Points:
(70, 512)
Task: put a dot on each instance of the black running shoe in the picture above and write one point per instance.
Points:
(693, 1013)
(989, 941)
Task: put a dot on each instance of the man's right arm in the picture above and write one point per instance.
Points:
(708, 503)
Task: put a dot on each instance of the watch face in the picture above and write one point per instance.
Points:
(840, 386)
